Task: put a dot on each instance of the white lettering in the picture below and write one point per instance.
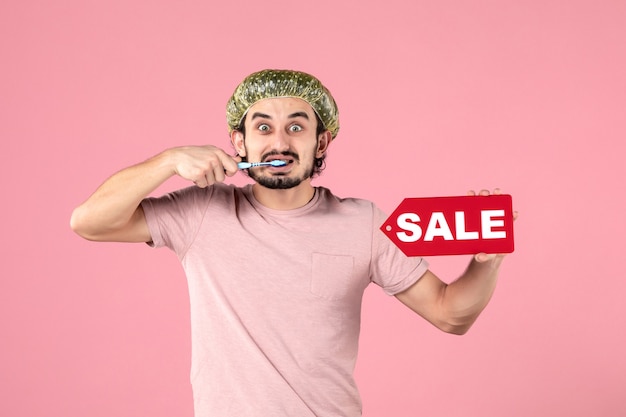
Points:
(461, 233)
(407, 221)
(488, 223)
(432, 230)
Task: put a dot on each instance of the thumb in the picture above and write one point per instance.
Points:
(484, 257)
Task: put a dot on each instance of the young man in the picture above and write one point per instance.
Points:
(277, 269)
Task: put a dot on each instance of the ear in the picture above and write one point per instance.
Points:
(237, 139)
(323, 143)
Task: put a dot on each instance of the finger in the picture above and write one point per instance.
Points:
(484, 257)
(218, 173)
(485, 192)
(201, 182)
(210, 177)
(230, 165)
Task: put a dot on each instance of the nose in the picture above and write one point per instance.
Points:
(279, 141)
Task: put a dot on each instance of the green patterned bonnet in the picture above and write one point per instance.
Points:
(282, 83)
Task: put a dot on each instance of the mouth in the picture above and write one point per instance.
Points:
(286, 160)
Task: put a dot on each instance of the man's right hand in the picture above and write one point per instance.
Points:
(203, 165)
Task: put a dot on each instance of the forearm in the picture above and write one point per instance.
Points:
(454, 307)
(113, 204)
(464, 299)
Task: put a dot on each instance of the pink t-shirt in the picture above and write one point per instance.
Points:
(276, 296)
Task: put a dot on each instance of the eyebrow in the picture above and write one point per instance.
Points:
(298, 114)
(261, 115)
(267, 116)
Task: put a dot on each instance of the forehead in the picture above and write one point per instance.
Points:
(281, 107)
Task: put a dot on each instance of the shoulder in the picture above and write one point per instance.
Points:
(347, 205)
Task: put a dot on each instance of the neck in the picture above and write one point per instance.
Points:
(288, 199)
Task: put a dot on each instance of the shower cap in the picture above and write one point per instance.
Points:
(282, 83)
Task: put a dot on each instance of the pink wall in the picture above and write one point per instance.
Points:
(436, 98)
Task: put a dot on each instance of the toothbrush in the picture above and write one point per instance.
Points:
(274, 163)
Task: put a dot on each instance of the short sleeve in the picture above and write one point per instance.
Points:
(174, 219)
(391, 269)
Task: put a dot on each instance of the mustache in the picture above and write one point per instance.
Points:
(283, 153)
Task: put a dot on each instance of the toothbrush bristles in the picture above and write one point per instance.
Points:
(274, 163)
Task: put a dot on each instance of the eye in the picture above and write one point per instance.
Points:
(295, 128)
(264, 127)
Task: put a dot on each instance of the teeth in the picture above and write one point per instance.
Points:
(284, 161)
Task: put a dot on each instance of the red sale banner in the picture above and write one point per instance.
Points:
(452, 225)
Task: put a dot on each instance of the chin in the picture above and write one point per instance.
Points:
(279, 183)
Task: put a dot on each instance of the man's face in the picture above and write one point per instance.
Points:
(281, 128)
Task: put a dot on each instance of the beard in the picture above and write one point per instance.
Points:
(280, 181)
(277, 183)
